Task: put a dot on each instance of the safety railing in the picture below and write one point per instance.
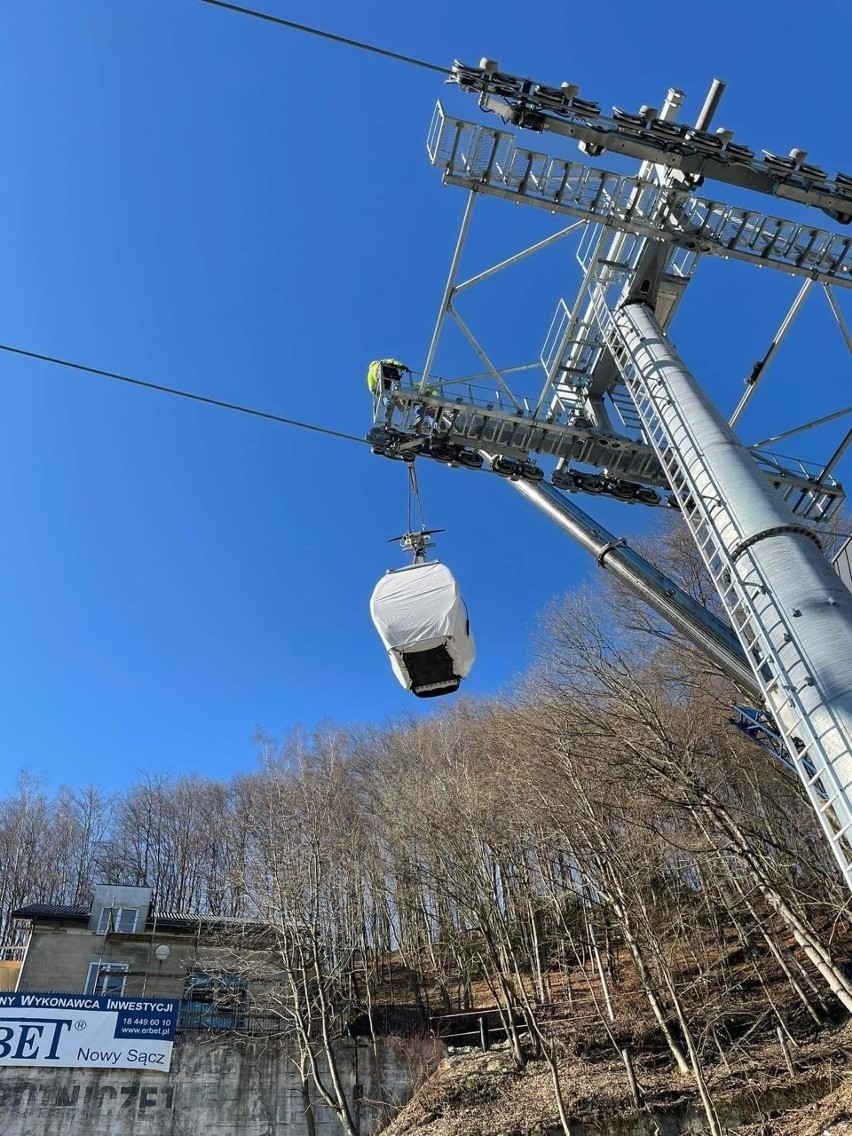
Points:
(197, 1017)
(489, 160)
(482, 393)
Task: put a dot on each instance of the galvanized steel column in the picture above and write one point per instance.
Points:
(792, 612)
(709, 634)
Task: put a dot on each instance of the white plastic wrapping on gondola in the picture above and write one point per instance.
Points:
(418, 611)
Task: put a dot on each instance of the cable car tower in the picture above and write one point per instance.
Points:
(612, 408)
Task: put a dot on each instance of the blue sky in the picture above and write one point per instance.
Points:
(210, 202)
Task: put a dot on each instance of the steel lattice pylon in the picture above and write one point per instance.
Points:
(614, 407)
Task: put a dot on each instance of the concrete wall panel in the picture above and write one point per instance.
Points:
(214, 1088)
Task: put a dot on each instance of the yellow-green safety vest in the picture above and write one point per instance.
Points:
(374, 372)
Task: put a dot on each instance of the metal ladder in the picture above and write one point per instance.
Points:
(625, 408)
(568, 354)
(574, 344)
(747, 596)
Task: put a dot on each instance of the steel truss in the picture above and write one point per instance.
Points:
(615, 408)
(581, 414)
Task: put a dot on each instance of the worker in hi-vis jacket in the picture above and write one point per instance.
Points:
(383, 373)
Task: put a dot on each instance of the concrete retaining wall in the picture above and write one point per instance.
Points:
(214, 1088)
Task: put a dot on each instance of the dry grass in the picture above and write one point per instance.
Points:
(475, 1094)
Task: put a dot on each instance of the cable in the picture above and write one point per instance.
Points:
(328, 35)
(414, 492)
(179, 393)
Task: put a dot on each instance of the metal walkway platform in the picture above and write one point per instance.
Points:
(491, 161)
(445, 427)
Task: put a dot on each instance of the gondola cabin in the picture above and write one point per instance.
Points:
(423, 622)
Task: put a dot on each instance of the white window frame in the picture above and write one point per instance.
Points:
(100, 973)
(110, 920)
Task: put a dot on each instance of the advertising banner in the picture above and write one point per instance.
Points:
(86, 1031)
